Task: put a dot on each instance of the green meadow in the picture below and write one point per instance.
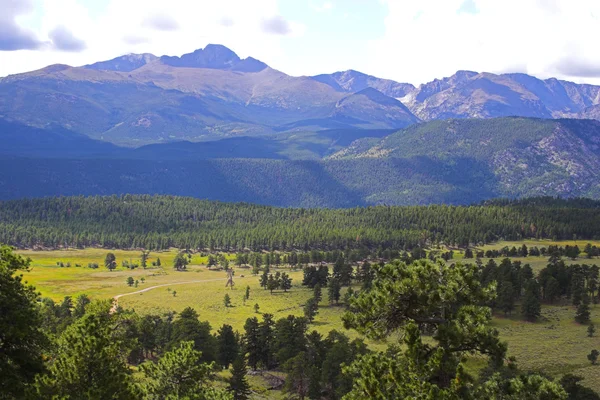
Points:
(555, 345)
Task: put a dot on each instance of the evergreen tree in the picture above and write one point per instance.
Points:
(188, 328)
(311, 309)
(89, 360)
(144, 258)
(178, 374)
(264, 280)
(317, 293)
(506, 297)
(227, 300)
(591, 330)
(266, 337)
(180, 262)
(228, 347)
(334, 290)
(531, 307)
(22, 342)
(247, 294)
(238, 383)
(81, 303)
(593, 356)
(286, 282)
(252, 343)
(272, 283)
(583, 311)
(110, 261)
(409, 297)
(551, 289)
(130, 281)
(298, 380)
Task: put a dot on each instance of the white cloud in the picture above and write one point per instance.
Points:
(326, 6)
(120, 29)
(425, 39)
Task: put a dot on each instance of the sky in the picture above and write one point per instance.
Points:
(411, 41)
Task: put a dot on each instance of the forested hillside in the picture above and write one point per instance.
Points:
(159, 222)
(452, 162)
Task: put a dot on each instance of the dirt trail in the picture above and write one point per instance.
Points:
(117, 297)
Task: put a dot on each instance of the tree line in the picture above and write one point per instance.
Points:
(162, 222)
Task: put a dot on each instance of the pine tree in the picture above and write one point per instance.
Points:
(310, 309)
(583, 311)
(593, 356)
(272, 283)
(228, 347)
(110, 261)
(238, 383)
(334, 289)
(247, 294)
(23, 342)
(591, 330)
(252, 341)
(264, 280)
(317, 293)
(286, 282)
(227, 300)
(506, 298)
(531, 307)
(90, 360)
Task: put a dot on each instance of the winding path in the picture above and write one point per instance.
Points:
(117, 297)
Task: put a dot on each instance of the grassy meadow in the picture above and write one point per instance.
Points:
(555, 345)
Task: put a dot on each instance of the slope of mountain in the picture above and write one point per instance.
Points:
(126, 63)
(519, 156)
(208, 94)
(470, 94)
(455, 161)
(353, 81)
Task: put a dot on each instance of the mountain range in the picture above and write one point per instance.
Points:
(212, 93)
(211, 124)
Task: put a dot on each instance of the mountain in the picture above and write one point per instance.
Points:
(468, 94)
(208, 94)
(512, 157)
(459, 161)
(353, 81)
(126, 63)
(215, 57)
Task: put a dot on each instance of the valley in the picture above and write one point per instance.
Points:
(555, 344)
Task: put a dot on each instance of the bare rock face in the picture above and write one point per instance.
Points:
(483, 95)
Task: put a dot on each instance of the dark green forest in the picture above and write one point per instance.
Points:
(161, 222)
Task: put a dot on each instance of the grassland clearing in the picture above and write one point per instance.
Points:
(555, 345)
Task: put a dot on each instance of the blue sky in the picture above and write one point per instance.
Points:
(406, 40)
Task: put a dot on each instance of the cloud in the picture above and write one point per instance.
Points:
(544, 38)
(468, 7)
(276, 25)
(161, 22)
(227, 22)
(118, 28)
(573, 67)
(323, 7)
(134, 40)
(64, 40)
(12, 36)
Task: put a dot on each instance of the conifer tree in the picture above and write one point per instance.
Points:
(531, 307)
(238, 383)
(334, 290)
(228, 347)
(583, 311)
